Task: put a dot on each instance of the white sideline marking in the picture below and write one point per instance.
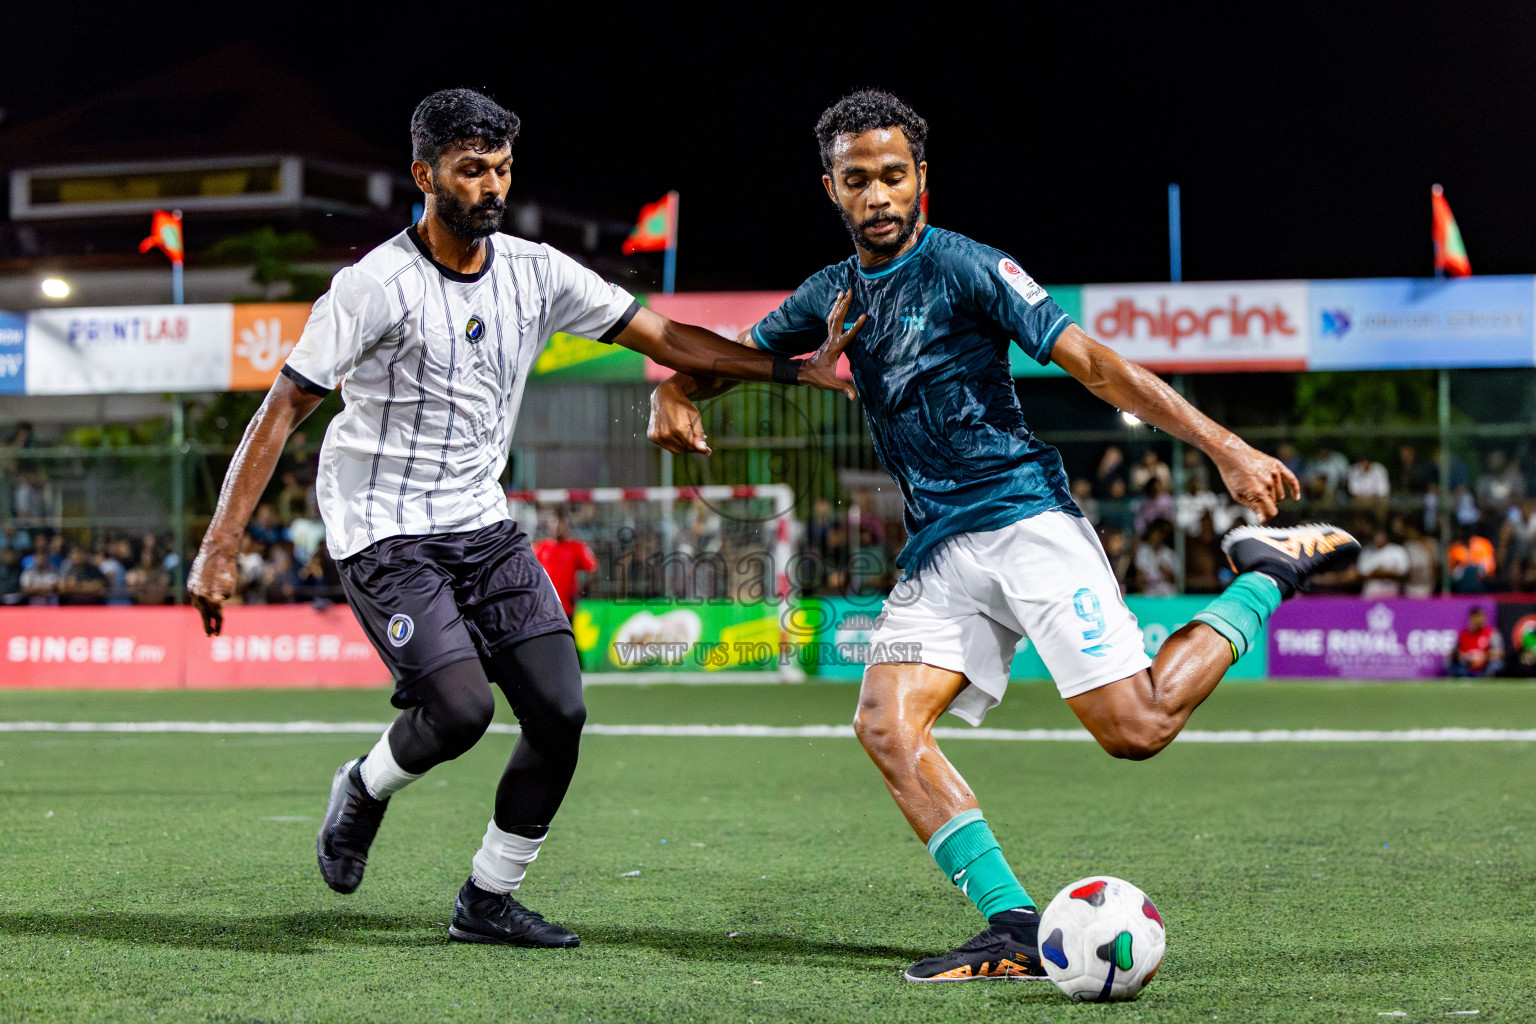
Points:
(812, 732)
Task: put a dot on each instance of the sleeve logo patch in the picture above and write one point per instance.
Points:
(1021, 282)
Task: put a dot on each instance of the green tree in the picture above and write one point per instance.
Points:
(273, 256)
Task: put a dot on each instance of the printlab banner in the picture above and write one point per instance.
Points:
(1422, 322)
(1348, 637)
(122, 349)
(164, 647)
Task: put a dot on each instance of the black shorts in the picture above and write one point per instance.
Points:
(430, 601)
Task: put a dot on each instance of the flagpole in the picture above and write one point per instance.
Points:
(178, 294)
(669, 257)
(1175, 236)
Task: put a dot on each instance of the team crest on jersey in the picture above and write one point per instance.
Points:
(1020, 281)
(474, 330)
(400, 629)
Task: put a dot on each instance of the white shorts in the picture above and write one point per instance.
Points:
(1046, 578)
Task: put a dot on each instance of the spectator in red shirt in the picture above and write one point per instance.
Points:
(1479, 649)
(563, 557)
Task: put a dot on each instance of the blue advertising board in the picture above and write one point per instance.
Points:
(1409, 323)
(13, 353)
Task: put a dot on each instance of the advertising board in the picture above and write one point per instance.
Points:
(1402, 323)
(164, 647)
(262, 335)
(1219, 326)
(13, 353)
(128, 349)
(1353, 638)
(673, 636)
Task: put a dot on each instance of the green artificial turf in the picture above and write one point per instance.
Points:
(172, 877)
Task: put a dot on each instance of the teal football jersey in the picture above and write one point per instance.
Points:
(931, 366)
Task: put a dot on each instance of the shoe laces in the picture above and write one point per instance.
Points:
(508, 905)
(986, 939)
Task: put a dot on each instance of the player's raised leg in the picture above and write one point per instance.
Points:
(898, 706)
(1137, 716)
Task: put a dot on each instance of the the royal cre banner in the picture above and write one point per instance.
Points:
(1353, 638)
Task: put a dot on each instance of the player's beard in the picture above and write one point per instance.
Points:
(466, 220)
(891, 248)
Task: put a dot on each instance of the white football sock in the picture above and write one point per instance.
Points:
(382, 776)
(503, 859)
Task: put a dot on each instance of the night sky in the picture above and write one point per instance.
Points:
(1305, 140)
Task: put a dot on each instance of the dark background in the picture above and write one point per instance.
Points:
(1305, 139)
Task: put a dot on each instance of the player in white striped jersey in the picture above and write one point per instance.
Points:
(431, 338)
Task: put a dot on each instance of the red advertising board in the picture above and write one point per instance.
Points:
(284, 645)
(103, 648)
(137, 648)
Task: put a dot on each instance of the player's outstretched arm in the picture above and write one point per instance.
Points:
(212, 579)
(675, 423)
(700, 353)
(1255, 480)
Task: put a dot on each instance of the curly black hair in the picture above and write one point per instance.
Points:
(864, 111)
(458, 116)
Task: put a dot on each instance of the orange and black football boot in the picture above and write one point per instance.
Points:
(1290, 555)
(1006, 950)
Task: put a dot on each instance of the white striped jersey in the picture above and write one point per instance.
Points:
(432, 365)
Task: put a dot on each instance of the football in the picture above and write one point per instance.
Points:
(1101, 939)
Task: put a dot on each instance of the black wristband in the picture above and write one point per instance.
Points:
(786, 370)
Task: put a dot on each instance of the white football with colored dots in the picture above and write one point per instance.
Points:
(1101, 939)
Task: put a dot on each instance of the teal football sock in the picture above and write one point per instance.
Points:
(970, 857)
(1240, 611)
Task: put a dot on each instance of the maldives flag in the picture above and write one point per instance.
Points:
(656, 230)
(165, 235)
(1450, 253)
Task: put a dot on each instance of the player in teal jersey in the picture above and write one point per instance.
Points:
(996, 550)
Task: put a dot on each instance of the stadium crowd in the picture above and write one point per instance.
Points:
(1398, 512)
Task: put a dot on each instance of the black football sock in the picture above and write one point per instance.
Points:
(1022, 926)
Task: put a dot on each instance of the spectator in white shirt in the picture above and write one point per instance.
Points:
(1384, 566)
(1368, 482)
